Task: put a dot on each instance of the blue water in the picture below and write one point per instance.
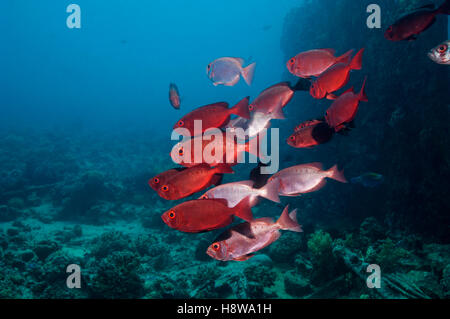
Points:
(115, 70)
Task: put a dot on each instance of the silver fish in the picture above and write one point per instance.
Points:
(234, 193)
(242, 241)
(441, 53)
(227, 71)
(305, 178)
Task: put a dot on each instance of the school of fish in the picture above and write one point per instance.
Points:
(320, 72)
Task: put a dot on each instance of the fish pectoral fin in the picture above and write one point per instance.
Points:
(331, 96)
(244, 258)
(293, 195)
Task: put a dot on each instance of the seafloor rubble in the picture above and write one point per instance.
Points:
(63, 208)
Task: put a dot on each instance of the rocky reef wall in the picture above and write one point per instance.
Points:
(401, 133)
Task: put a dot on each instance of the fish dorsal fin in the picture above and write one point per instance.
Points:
(239, 60)
(349, 90)
(307, 124)
(246, 183)
(266, 220)
(244, 258)
(331, 51)
(316, 165)
(223, 201)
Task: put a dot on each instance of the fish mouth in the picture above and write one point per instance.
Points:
(210, 253)
(164, 218)
(432, 56)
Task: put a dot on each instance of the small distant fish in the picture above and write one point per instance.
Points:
(441, 53)
(305, 178)
(174, 96)
(214, 115)
(408, 27)
(344, 108)
(368, 179)
(227, 71)
(234, 193)
(315, 62)
(240, 242)
(203, 215)
(335, 78)
(310, 134)
(190, 181)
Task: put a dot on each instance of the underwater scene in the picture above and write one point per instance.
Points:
(289, 149)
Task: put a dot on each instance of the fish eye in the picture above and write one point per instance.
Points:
(292, 138)
(209, 66)
(250, 107)
(204, 196)
(442, 48)
(181, 123)
(171, 214)
(292, 61)
(181, 152)
(156, 180)
(165, 188)
(216, 246)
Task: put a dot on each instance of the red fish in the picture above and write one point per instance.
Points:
(240, 242)
(203, 215)
(411, 25)
(190, 181)
(160, 179)
(310, 134)
(315, 62)
(174, 96)
(211, 149)
(212, 116)
(335, 78)
(344, 108)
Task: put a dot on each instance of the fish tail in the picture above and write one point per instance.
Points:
(289, 221)
(270, 191)
(345, 58)
(223, 169)
(356, 63)
(362, 94)
(336, 174)
(444, 8)
(248, 72)
(243, 210)
(241, 109)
